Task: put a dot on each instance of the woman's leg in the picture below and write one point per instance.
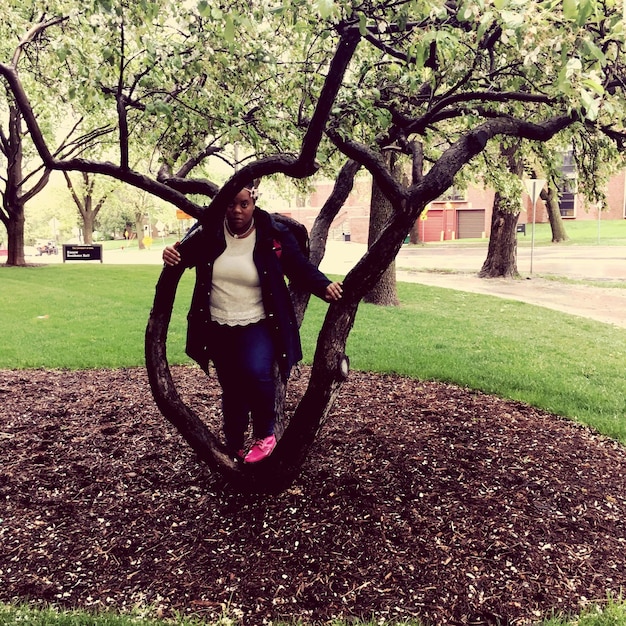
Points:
(244, 361)
(259, 367)
(235, 400)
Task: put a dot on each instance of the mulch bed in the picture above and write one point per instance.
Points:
(419, 500)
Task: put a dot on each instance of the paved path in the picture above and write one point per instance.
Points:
(456, 267)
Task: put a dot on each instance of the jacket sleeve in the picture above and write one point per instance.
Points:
(191, 246)
(300, 271)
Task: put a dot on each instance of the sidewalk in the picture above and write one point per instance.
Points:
(456, 267)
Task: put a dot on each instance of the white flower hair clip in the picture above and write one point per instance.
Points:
(253, 191)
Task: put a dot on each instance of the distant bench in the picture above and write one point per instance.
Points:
(82, 252)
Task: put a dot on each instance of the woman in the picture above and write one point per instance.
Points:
(241, 316)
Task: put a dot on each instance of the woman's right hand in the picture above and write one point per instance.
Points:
(171, 256)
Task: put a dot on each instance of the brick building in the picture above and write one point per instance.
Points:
(456, 216)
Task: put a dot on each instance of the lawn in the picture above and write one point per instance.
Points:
(91, 316)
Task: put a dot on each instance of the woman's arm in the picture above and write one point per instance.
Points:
(187, 250)
(171, 256)
(303, 273)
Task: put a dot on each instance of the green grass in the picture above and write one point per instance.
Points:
(585, 233)
(564, 364)
(609, 614)
(77, 316)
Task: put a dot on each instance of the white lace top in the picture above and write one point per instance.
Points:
(236, 289)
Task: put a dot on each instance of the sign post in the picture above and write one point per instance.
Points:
(533, 187)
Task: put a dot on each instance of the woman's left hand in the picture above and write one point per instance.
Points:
(334, 291)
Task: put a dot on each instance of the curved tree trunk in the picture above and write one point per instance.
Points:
(316, 247)
(283, 466)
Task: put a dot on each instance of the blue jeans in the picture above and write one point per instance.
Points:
(244, 362)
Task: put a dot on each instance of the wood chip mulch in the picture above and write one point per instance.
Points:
(419, 500)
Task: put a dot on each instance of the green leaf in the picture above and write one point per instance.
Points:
(485, 22)
(512, 20)
(591, 105)
(362, 24)
(203, 8)
(594, 51)
(229, 29)
(570, 9)
(586, 9)
(325, 7)
(594, 86)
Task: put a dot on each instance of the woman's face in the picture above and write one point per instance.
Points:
(239, 212)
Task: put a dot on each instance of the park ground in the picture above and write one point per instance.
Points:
(579, 280)
(419, 499)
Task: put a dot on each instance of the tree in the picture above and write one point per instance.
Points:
(384, 292)
(501, 258)
(88, 207)
(550, 196)
(18, 187)
(434, 82)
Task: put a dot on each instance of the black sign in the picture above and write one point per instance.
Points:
(82, 252)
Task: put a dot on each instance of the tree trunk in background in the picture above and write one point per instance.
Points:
(385, 292)
(85, 204)
(501, 261)
(551, 199)
(88, 227)
(139, 230)
(15, 238)
(414, 234)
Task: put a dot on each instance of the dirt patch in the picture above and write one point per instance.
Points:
(419, 500)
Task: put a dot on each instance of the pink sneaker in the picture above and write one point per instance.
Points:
(261, 449)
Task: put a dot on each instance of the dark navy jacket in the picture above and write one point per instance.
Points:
(276, 255)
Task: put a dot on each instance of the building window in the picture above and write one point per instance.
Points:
(568, 186)
(567, 197)
(452, 194)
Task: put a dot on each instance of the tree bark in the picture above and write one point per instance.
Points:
(414, 234)
(384, 292)
(88, 227)
(551, 199)
(501, 261)
(139, 229)
(15, 196)
(15, 237)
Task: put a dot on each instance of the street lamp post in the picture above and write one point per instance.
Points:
(533, 187)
